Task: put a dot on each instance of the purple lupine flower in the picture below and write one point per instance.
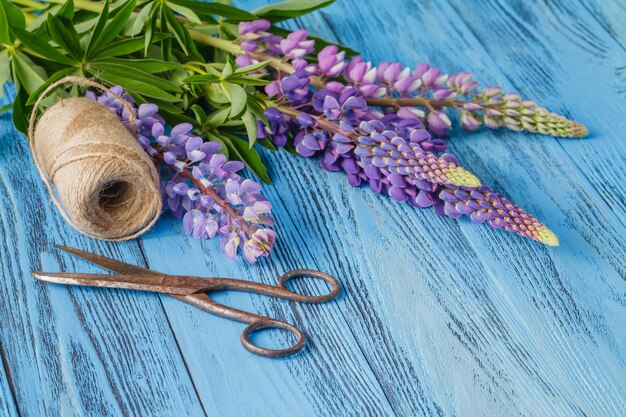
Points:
(200, 186)
(369, 121)
(391, 150)
(425, 86)
(331, 62)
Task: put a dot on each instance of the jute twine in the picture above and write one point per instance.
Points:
(102, 181)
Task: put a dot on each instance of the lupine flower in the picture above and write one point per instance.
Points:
(199, 185)
(391, 85)
(392, 150)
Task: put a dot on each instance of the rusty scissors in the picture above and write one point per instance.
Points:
(196, 290)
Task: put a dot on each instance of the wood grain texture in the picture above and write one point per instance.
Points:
(437, 317)
(75, 351)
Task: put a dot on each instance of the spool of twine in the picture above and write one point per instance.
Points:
(102, 181)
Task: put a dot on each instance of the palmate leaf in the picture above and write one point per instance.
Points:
(138, 86)
(30, 76)
(125, 69)
(289, 9)
(65, 36)
(97, 30)
(115, 25)
(43, 48)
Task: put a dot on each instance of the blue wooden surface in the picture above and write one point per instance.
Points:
(438, 317)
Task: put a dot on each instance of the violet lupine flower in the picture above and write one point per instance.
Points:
(483, 205)
(391, 152)
(391, 85)
(199, 185)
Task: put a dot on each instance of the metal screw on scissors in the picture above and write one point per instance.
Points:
(196, 290)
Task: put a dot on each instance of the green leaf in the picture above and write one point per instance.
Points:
(237, 97)
(54, 77)
(228, 69)
(97, 30)
(178, 30)
(14, 15)
(5, 69)
(20, 120)
(209, 9)
(151, 28)
(204, 78)
(200, 114)
(5, 37)
(249, 122)
(43, 48)
(252, 68)
(65, 36)
(278, 12)
(122, 70)
(141, 87)
(218, 117)
(248, 81)
(140, 20)
(184, 11)
(239, 149)
(31, 76)
(5, 108)
(115, 25)
(127, 46)
(151, 66)
(67, 10)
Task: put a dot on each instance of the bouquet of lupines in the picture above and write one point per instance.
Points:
(211, 83)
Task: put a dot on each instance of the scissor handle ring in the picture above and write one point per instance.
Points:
(303, 298)
(269, 324)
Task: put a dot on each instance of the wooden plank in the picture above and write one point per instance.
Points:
(437, 318)
(7, 401)
(610, 15)
(560, 357)
(76, 351)
(330, 378)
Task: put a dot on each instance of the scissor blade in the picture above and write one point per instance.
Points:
(108, 263)
(155, 283)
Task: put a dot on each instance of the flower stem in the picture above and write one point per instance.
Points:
(215, 42)
(206, 190)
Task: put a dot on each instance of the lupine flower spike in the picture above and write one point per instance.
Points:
(199, 185)
(424, 91)
(377, 124)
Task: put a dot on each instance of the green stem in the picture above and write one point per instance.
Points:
(81, 4)
(215, 42)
